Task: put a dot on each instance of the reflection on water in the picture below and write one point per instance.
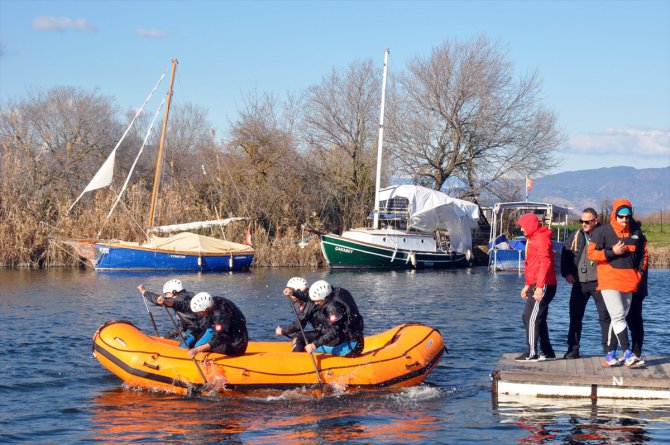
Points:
(124, 415)
(610, 421)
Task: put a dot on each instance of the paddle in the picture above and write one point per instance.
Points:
(304, 337)
(183, 339)
(151, 316)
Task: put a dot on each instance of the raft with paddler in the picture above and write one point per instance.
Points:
(212, 353)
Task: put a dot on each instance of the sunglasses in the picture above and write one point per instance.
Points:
(586, 221)
(623, 216)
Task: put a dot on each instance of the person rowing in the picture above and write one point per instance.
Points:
(338, 324)
(297, 290)
(173, 290)
(221, 325)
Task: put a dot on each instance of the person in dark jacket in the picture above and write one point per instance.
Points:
(173, 289)
(338, 324)
(582, 274)
(541, 281)
(221, 326)
(620, 250)
(297, 290)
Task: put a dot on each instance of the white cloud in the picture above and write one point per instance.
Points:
(152, 33)
(46, 23)
(632, 141)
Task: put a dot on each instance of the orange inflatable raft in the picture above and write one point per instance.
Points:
(402, 356)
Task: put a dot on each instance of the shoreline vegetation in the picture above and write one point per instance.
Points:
(31, 242)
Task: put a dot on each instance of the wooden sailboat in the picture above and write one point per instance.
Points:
(416, 223)
(183, 251)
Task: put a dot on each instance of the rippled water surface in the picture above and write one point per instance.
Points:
(54, 391)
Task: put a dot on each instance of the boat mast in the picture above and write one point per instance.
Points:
(159, 158)
(375, 224)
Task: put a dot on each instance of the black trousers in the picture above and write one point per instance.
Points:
(535, 321)
(299, 341)
(579, 297)
(636, 324)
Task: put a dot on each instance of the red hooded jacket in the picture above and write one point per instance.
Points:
(619, 272)
(539, 264)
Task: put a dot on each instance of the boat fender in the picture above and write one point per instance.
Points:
(412, 257)
(468, 254)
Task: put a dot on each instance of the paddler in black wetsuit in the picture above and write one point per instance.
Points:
(296, 289)
(338, 324)
(173, 289)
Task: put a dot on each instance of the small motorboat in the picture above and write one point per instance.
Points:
(402, 356)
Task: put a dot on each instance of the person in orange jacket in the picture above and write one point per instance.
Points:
(541, 281)
(620, 250)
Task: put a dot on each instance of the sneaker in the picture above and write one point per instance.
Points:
(544, 356)
(611, 360)
(571, 355)
(527, 358)
(630, 359)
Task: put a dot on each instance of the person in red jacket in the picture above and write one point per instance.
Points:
(619, 249)
(540, 288)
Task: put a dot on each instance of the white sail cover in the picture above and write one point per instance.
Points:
(430, 210)
(192, 242)
(196, 225)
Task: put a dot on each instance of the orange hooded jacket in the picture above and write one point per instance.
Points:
(619, 272)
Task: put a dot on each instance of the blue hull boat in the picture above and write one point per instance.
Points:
(110, 256)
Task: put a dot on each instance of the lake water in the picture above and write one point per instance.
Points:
(54, 391)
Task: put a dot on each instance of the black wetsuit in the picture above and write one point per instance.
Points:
(187, 320)
(224, 328)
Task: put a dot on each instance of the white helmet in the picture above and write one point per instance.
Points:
(201, 302)
(173, 286)
(298, 283)
(320, 290)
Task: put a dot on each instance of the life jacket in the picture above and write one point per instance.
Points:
(228, 323)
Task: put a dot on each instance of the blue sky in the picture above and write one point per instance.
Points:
(605, 65)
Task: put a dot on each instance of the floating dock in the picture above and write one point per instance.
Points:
(585, 377)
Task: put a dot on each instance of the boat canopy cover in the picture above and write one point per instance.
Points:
(430, 210)
(192, 242)
(531, 206)
(196, 225)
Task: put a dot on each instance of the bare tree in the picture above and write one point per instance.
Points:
(261, 170)
(461, 121)
(340, 117)
(64, 133)
(189, 131)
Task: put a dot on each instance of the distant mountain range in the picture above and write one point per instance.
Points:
(648, 189)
